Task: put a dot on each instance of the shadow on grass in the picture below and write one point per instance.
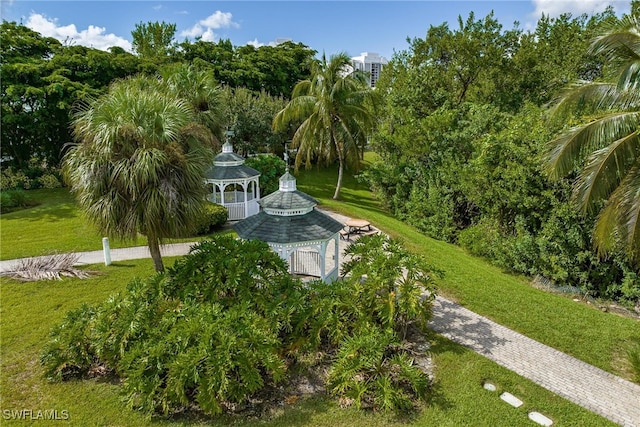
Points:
(299, 414)
(40, 213)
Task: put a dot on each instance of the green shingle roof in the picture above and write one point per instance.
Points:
(228, 158)
(230, 172)
(288, 200)
(311, 226)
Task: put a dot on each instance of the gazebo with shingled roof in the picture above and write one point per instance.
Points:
(233, 184)
(292, 226)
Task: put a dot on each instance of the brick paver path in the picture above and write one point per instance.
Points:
(590, 387)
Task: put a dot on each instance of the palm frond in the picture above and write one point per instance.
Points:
(564, 152)
(618, 224)
(605, 169)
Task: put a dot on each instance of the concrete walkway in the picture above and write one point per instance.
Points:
(592, 388)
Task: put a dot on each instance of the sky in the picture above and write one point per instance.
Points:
(326, 26)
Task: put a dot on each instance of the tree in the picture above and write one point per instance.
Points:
(250, 116)
(199, 87)
(139, 162)
(40, 79)
(153, 40)
(334, 113)
(609, 181)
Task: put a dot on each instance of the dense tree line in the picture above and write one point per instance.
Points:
(463, 136)
(41, 80)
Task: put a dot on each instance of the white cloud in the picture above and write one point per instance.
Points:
(93, 36)
(255, 43)
(554, 8)
(157, 7)
(204, 28)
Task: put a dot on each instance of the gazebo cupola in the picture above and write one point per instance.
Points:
(234, 185)
(303, 236)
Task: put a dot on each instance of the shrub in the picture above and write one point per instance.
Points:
(70, 352)
(394, 287)
(369, 370)
(214, 216)
(12, 199)
(207, 332)
(49, 180)
(271, 168)
(14, 179)
(228, 320)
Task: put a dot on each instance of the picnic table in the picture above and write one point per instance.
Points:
(355, 226)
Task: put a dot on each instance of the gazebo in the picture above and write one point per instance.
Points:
(234, 185)
(303, 236)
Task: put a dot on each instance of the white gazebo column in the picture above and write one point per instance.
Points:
(245, 188)
(323, 257)
(336, 254)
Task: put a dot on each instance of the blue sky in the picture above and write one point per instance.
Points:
(326, 26)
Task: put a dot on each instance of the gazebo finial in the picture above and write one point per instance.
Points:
(227, 147)
(286, 157)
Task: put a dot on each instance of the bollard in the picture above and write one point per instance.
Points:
(105, 249)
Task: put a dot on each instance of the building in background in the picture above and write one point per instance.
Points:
(371, 63)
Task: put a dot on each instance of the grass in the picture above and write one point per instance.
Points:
(54, 225)
(583, 331)
(29, 310)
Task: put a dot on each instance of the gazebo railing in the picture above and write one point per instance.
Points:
(230, 197)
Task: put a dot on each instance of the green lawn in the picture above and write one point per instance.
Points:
(578, 329)
(29, 310)
(55, 225)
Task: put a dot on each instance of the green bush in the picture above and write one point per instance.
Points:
(70, 352)
(214, 217)
(370, 370)
(228, 320)
(271, 168)
(12, 199)
(49, 180)
(14, 179)
(392, 286)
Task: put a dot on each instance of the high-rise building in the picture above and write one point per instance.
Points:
(371, 63)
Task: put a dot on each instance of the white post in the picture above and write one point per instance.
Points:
(105, 249)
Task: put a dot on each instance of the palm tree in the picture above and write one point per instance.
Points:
(334, 109)
(138, 163)
(199, 87)
(609, 180)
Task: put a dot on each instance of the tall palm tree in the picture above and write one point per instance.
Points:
(334, 109)
(609, 180)
(199, 87)
(138, 163)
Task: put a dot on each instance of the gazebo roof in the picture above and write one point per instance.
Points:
(221, 173)
(290, 200)
(312, 226)
(229, 166)
(228, 158)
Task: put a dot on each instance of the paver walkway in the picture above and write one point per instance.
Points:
(592, 388)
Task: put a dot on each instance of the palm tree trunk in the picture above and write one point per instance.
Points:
(154, 250)
(336, 195)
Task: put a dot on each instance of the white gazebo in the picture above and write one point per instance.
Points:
(303, 236)
(233, 185)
